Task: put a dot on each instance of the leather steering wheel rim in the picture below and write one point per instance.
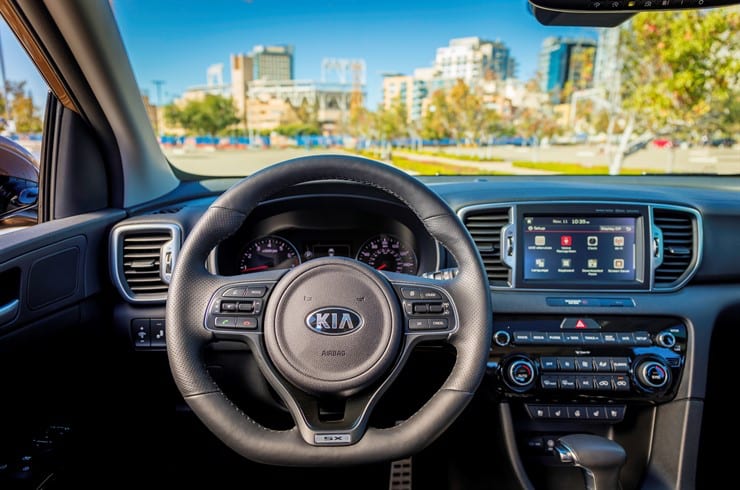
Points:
(192, 286)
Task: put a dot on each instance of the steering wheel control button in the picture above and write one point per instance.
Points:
(430, 294)
(141, 333)
(234, 293)
(225, 322)
(255, 292)
(419, 324)
(228, 306)
(502, 338)
(420, 308)
(246, 322)
(410, 293)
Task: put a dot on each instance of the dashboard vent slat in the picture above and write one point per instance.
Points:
(485, 228)
(679, 246)
(138, 252)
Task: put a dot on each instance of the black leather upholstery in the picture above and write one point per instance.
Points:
(192, 286)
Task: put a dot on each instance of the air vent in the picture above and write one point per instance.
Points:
(679, 246)
(143, 257)
(171, 210)
(485, 228)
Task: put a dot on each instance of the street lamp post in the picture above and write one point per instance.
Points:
(158, 84)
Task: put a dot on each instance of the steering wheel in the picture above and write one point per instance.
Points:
(329, 328)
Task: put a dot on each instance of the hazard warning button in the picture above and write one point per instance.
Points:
(580, 324)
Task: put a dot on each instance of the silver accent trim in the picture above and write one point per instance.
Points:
(116, 262)
(698, 248)
(8, 311)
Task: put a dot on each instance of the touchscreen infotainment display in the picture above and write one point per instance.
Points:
(580, 249)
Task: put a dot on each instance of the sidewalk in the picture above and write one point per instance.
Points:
(501, 167)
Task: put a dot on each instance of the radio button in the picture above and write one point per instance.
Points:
(591, 338)
(572, 338)
(549, 363)
(555, 338)
(566, 364)
(642, 338)
(539, 338)
(621, 365)
(610, 338)
(585, 363)
(625, 338)
(602, 364)
(522, 338)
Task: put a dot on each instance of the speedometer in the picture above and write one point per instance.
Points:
(388, 253)
(269, 252)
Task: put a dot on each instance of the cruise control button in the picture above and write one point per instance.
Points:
(419, 324)
(596, 412)
(234, 293)
(549, 363)
(603, 383)
(567, 382)
(438, 323)
(549, 382)
(602, 364)
(225, 321)
(421, 308)
(621, 365)
(585, 363)
(522, 338)
(228, 306)
(566, 364)
(430, 294)
(246, 322)
(436, 309)
(585, 383)
(255, 291)
(410, 293)
(615, 413)
(539, 338)
(246, 307)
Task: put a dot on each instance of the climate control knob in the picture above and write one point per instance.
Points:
(502, 338)
(666, 339)
(653, 375)
(521, 373)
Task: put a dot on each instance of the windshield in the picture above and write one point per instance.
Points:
(472, 87)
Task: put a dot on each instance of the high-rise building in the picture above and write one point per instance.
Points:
(606, 66)
(242, 71)
(566, 62)
(472, 59)
(272, 62)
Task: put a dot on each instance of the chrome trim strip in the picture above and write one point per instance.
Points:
(116, 264)
(698, 246)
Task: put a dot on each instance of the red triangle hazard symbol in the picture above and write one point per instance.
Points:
(580, 324)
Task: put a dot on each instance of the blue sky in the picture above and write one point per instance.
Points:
(177, 40)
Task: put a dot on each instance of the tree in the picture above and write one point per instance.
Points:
(391, 123)
(682, 70)
(21, 109)
(210, 116)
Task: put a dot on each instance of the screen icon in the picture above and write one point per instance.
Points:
(592, 241)
(539, 240)
(565, 263)
(566, 241)
(619, 263)
(593, 263)
(540, 263)
(619, 241)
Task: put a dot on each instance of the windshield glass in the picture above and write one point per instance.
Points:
(436, 88)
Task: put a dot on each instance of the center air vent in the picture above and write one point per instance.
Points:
(485, 228)
(680, 245)
(142, 259)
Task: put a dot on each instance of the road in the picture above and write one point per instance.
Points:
(696, 160)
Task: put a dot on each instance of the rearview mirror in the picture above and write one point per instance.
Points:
(631, 6)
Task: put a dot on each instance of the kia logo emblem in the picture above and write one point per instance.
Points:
(334, 321)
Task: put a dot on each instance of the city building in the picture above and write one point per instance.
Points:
(272, 62)
(472, 59)
(242, 72)
(566, 63)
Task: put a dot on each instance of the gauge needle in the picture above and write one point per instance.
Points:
(257, 268)
(382, 266)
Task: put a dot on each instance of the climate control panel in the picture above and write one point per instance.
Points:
(547, 358)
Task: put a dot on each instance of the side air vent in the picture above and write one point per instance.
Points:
(680, 246)
(170, 210)
(142, 259)
(485, 227)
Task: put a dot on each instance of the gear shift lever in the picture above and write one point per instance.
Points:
(600, 458)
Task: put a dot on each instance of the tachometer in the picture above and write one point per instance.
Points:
(269, 252)
(388, 253)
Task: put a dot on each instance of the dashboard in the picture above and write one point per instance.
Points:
(604, 309)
